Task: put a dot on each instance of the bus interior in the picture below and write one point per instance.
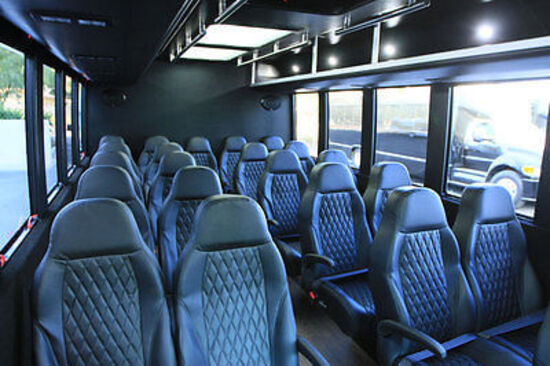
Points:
(274, 182)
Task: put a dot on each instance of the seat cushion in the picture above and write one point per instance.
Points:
(522, 341)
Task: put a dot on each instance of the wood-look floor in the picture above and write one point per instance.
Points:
(323, 333)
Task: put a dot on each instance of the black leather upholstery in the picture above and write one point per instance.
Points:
(335, 156)
(273, 143)
(98, 299)
(114, 182)
(232, 299)
(201, 150)
(110, 138)
(190, 187)
(152, 170)
(383, 179)
(249, 169)
(417, 280)
(160, 187)
(542, 355)
(114, 146)
(149, 151)
(120, 159)
(332, 222)
(302, 151)
(229, 159)
(280, 191)
(494, 258)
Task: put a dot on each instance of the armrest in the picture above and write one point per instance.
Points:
(391, 327)
(273, 224)
(310, 352)
(311, 258)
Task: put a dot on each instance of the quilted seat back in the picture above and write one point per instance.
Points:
(232, 300)
(280, 190)
(332, 220)
(416, 277)
(249, 169)
(229, 159)
(494, 253)
(98, 299)
(148, 152)
(191, 186)
(152, 169)
(201, 150)
(303, 153)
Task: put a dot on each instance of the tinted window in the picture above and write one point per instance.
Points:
(402, 128)
(307, 120)
(498, 136)
(14, 190)
(345, 119)
(68, 121)
(50, 149)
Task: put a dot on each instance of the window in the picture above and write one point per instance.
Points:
(498, 136)
(14, 196)
(68, 121)
(50, 149)
(345, 119)
(402, 128)
(307, 120)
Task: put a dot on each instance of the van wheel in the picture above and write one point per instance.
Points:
(511, 181)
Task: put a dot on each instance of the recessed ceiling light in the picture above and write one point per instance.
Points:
(295, 68)
(390, 50)
(485, 32)
(332, 61)
(211, 54)
(393, 22)
(241, 36)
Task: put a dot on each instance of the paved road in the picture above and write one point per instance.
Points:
(14, 202)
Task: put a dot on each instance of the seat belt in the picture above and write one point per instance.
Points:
(513, 325)
(448, 345)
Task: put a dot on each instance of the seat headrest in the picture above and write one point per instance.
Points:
(94, 227)
(152, 142)
(415, 209)
(117, 158)
(234, 143)
(283, 161)
(106, 182)
(238, 221)
(165, 149)
(299, 148)
(273, 143)
(172, 161)
(333, 156)
(195, 182)
(487, 203)
(331, 177)
(115, 146)
(108, 138)
(390, 175)
(198, 144)
(254, 151)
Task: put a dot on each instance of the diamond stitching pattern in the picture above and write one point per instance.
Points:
(235, 310)
(424, 284)
(251, 175)
(336, 231)
(184, 221)
(101, 313)
(229, 172)
(202, 158)
(494, 272)
(286, 200)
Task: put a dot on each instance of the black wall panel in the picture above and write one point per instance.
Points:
(185, 100)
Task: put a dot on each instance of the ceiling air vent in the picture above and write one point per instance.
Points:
(70, 19)
(93, 58)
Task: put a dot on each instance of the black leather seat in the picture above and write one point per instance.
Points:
(114, 146)
(152, 170)
(249, 169)
(424, 304)
(170, 163)
(542, 353)
(191, 186)
(232, 301)
(114, 182)
(229, 159)
(98, 295)
(494, 258)
(335, 246)
(201, 150)
(302, 151)
(110, 138)
(335, 156)
(280, 191)
(383, 179)
(273, 143)
(149, 151)
(120, 159)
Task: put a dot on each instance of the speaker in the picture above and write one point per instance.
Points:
(114, 97)
(270, 102)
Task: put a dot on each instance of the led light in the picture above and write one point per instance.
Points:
(333, 38)
(393, 22)
(485, 32)
(55, 19)
(295, 68)
(241, 36)
(211, 54)
(92, 22)
(332, 61)
(390, 50)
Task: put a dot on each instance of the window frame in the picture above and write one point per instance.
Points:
(294, 130)
(52, 193)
